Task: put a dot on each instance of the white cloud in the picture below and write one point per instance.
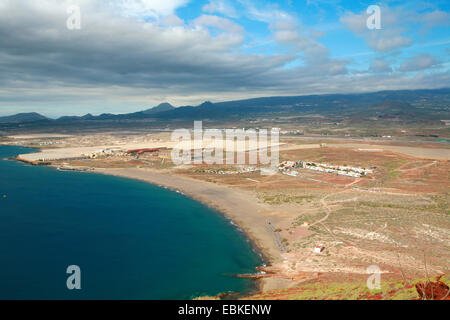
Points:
(388, 41)
(117, 63)
(380, 65)
(396, 23)
(152, 8)
(221, 6)
(418, 63)
(435, 18)
(268, 15)
(171, 20)
(389, 37)
(219, 22)
(288, 31)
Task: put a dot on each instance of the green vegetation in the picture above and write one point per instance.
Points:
(320, 290)
(392, 168)
(281, 198)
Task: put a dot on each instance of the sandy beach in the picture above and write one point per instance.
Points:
(239, 205)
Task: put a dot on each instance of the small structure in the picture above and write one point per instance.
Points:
(292, 173)
(268, 171)
(142, 151)
(287, 165)
(165, 154)
(319, 248)
(339, 170)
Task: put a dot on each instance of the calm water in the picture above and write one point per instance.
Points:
(131, 240)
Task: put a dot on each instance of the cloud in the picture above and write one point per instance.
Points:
(221, 6)
(396, 25)
(219, 22)
(269, 14)
(380, 65)
(418, 63)
(153, 8)
(121, 63)
(290, 32)
(171, 20)
(391, 35)
(40, 59)
(435, 18)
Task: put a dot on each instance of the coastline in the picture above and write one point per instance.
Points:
(210, 276)
(240, 206)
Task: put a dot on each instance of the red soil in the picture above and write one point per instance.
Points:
(437, 290)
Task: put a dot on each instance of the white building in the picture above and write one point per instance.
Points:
(319, 248)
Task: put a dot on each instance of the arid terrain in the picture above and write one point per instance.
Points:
(395, 217)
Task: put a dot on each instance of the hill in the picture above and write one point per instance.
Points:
(160, 108)
(367, 104)
(23, 118)
(427, 106)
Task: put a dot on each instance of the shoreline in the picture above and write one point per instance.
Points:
(238, 206)
(177, 183)
(264, 247)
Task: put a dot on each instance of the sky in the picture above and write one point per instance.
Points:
(72, 57)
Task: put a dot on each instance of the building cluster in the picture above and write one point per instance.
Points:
(45, 143)
(288, 168)
(105, 152)
(118, 152)
(292, 132)
(239, 170)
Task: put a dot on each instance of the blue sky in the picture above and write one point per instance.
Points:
(328, 18)
(133, 54)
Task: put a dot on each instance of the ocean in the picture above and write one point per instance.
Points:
(130, 239)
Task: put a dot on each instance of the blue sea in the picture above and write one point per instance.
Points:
(131, 240)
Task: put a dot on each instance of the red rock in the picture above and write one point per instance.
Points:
(433, 290)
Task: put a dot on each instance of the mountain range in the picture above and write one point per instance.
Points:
(384, 104)
(23, 117)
